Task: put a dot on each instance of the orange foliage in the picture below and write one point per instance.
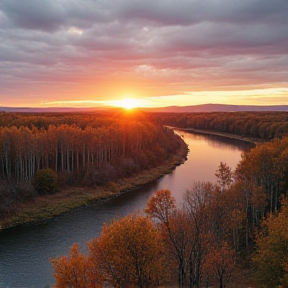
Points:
(129, 251)
(161, 205)
(75, 271)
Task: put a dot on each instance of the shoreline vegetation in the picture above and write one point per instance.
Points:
(43, 208)
(221, 134)
(67, 199)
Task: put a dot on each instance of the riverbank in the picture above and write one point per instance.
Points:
(46, 207)
(222, 134)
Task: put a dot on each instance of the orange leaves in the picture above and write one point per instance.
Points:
(129, 251)
(135, 251)
(74, 271)
(194, 236)
(161, 205)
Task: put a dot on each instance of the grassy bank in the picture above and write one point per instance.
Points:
(45, 207)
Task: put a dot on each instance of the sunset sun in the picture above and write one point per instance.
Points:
(183, 101)
(128, 103)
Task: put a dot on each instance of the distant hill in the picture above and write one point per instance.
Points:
(217, 108)
(170, 109)
(50, 109)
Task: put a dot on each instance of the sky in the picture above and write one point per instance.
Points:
(72, 53)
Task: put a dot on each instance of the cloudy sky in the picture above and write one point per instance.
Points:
(162, 52)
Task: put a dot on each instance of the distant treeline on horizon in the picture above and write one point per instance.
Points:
(169, 109)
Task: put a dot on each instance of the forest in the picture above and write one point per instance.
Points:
(201, 243)
(221, 229)
(39, 153)
(261, 125)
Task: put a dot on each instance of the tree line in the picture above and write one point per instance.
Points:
(81, 149)
(263, 125)
(196, 245)
(201, 242)
(168, 245)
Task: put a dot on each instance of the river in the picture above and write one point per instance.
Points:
(25, 251)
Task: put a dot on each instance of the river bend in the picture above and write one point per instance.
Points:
(25, 252)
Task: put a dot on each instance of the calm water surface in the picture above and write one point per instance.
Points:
(25, 252)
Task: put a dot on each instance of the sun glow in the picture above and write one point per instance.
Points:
(128, 103)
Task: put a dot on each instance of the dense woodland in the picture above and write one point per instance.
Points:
(222, 227)
(262, 125)
(201, 243)
(75, 149)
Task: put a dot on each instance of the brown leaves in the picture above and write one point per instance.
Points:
(219, 264)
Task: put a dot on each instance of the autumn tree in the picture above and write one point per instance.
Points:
(185, 231)
(261, 179)
(219, 264)
(75, 271)
(224, 176)
(129, 252)
(162, 207)
(83, 149)
(272, 249)
(196, 204)
(215, 214)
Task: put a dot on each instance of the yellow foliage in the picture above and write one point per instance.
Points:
(271, 256)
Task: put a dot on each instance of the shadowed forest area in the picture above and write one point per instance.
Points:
(40, 154)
